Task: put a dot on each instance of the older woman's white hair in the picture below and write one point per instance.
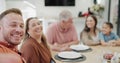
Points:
(65, 15)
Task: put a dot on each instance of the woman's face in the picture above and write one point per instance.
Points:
(35, 27)
(90, 22)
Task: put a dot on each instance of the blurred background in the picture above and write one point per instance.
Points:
(48, 10)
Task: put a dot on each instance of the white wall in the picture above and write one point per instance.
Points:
(53, 11)
(114, 14)
(2, 5)
(43, 11)
(27, 9)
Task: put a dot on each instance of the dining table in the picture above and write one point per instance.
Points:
(93, 56)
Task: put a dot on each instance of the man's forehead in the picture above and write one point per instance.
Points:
(12, 17)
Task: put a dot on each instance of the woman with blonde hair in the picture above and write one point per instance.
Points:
(34, 48)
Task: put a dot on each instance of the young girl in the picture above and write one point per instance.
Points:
(107, 37)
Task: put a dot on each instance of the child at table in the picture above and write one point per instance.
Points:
(107, 37)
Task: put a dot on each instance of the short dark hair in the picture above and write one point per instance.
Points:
(109, 24)
(12, 10)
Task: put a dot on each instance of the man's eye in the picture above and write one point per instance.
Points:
(22, 26)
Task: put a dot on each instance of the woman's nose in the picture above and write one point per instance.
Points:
(39, 27)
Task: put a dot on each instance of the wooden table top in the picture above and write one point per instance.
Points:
(94, 56)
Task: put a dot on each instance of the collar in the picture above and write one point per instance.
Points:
(13, 48)
(62, 30)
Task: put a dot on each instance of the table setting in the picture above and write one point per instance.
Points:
(75, 55)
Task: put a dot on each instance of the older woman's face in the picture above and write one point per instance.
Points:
(35, 27)
(90, 22)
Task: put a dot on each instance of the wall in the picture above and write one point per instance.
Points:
(43, 11)
(27, 10)
(53, 11)
(2, 5)
(114, 14)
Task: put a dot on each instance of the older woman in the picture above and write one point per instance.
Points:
(89, 35)
(34, 48)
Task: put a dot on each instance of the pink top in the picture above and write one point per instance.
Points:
(60, 36)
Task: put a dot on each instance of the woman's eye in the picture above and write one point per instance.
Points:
(33, 25)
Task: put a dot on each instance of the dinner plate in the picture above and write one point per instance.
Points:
(69, 55)
(79, 47)
(80, 59)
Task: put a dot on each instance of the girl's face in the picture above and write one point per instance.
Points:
(35, 27)
(106, 29)
(90, 22)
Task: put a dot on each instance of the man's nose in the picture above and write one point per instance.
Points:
(19, 29)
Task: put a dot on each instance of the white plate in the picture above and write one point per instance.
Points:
(79, 47)
(69, 55)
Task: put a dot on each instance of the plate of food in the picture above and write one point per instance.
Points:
(69, 55)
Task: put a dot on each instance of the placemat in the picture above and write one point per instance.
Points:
(83, 58)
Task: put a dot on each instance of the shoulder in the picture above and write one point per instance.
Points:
(84, 32)
(101, 33)
(113, 34)
(2, 48)
(28, 43)
(72, 26)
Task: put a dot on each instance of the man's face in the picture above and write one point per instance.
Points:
(67, 24)
(12, 28)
